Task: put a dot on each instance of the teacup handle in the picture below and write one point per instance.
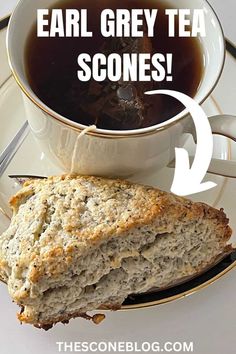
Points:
(224, 125)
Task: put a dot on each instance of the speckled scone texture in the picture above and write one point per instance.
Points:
(77, 244)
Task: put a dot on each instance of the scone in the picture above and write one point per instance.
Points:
(77, 244)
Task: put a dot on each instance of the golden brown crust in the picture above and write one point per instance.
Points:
(147, 205)
(158, 204)
(142, 205)
(64, 319)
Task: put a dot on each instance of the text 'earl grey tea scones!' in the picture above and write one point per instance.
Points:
(76, 244)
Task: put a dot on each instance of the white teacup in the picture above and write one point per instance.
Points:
(117, 153)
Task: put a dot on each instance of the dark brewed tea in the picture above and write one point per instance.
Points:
(51, 66)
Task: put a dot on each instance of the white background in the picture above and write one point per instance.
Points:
(226, 10)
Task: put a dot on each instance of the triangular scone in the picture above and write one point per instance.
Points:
(76, 244)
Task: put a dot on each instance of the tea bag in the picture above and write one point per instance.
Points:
(119, 105)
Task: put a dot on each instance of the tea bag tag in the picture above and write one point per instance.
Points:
(75, 151)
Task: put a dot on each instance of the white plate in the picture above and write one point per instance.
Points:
(206, 309)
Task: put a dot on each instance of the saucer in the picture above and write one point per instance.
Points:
(29, 160)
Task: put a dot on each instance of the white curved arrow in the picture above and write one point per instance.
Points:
(189, 180)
